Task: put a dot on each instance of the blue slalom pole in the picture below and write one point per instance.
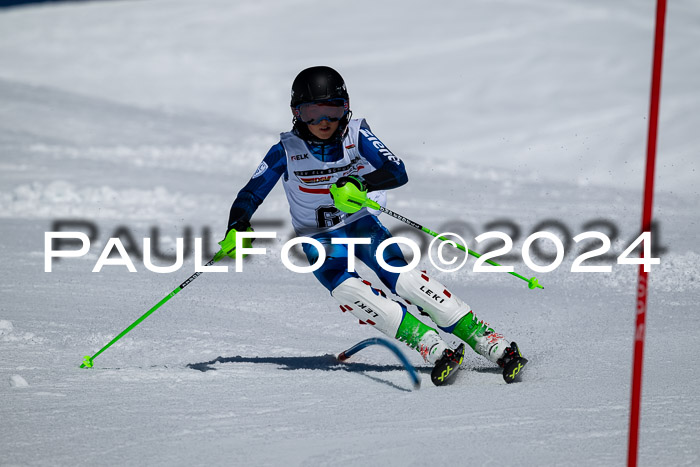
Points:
(412, 373)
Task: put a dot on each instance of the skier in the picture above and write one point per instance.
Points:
(325, 160)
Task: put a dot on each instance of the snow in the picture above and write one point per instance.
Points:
(141, 115)
(6, 327)
(16, 381)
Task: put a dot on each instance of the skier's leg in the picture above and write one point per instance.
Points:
(451, 314)
(371, 306)
(392, 318)
(447, 311)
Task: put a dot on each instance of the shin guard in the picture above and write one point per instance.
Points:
(432, 298)
(369, 305)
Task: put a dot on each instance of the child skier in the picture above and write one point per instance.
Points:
(325, 160)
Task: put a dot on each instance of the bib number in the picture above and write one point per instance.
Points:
(327, 216)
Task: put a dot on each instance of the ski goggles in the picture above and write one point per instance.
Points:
(315, 112)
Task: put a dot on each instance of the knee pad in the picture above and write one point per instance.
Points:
(369, 305)
(432, 298)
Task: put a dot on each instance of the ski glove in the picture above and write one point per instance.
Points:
(349, 194)
(228, 244)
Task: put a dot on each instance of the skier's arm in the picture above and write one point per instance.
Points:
(390, 171)
(258, 187)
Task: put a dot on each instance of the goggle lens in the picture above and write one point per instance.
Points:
(315, 112)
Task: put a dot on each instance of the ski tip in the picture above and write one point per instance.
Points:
(513, 370)
(87, 362)
(342, 357)
(446, 368)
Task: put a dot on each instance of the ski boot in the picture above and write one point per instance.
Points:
(512, 363)
(445, 360)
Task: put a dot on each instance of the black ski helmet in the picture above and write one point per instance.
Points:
(318, 83)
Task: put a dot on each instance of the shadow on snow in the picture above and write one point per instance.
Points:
(326, 362)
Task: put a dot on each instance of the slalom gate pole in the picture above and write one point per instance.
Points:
(87, 361)
(531, 283)
(412, 373)
(641, 309)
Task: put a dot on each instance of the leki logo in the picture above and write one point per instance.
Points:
(367, 309)
(432, 294)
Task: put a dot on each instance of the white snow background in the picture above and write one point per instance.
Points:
(153, 114)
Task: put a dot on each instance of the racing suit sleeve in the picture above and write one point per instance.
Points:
(272, 167)
(390, 170)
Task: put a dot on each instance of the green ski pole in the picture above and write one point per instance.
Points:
(531, 283)
(87, 361)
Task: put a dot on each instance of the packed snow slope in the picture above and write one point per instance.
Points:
(143, 119)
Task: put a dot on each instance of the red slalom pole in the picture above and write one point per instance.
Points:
(639, 334)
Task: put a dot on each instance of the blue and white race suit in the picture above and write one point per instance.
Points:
(308, 171)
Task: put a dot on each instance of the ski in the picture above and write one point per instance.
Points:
(511, 372)
(447, 367)
(513, 363)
